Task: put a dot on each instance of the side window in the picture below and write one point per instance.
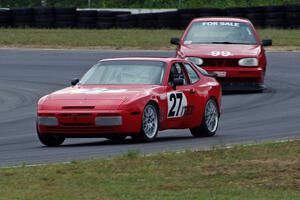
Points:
(191, 73)
(177, 72)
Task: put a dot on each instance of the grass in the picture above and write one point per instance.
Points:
(120, 38)
(265, 171)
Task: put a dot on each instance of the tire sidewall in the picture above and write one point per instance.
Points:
(204, 125)
(142, 133)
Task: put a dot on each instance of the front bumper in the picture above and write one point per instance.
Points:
(90, 123)
(241, 78)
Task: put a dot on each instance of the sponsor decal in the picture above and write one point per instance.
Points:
(235, 24)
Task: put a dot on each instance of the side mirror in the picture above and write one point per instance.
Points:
(266, 42)
(74, 81)
(175, 41)
(177, 82)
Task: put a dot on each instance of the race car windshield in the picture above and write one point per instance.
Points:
(220, 33)
(125, 72)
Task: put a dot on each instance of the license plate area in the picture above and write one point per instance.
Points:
(221, 73)
(74, 119)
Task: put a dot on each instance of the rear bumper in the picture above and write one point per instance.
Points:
(238, 72)
(84, 124)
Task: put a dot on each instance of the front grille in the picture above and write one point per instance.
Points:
(213, 62)
(76, 114)
(77, 124)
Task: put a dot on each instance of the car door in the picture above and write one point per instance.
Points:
(199, 95)
(181, 101)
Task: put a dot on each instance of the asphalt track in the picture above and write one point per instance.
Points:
(26, 75)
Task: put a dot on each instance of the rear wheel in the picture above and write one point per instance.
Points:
(210, 121)
(150, 124)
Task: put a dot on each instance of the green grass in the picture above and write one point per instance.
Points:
(120, 38)
(265, 171)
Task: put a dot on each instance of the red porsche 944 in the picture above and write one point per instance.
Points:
(228, 47)
(134, 97)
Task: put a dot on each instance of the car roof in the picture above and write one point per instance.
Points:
(162, 59)
(224, 19)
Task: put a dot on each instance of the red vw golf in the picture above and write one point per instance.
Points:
(134, 97)
(228, 47)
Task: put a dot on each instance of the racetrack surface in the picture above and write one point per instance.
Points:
(26, 75)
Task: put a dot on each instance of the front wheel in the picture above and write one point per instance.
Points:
(210, 121)
(51, 140)
(150, 124)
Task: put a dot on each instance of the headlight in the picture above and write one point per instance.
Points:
(248, 62)
(195, 60)
(48, 121)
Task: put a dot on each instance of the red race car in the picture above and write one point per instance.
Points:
(133, 97)
(228, 47)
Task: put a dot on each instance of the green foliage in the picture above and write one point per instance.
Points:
(146, 3)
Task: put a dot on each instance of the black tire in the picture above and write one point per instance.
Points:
(22, 24)
(64, 24)
(256, 9)
(43, 11)
(293, 8)
(258, 23)
(143, 136)
(275, 15)
(22, 11)
(116, 138)
(86, 25)
(235, 10)
(43, 25)
(106, 19)
(203, 130)
(275, 8)
(50, 140)
(87, 13)
(44, 19)
(86, 20)
(65, 18)
(65, 11)
(255, 16)
(4, 19)
(293, 16)
(5, 12)
(276, 23)
(104, 25)
(22, 18)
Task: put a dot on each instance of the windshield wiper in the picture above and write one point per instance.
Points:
(228, 43)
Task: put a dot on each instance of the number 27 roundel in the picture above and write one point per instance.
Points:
(177, 103)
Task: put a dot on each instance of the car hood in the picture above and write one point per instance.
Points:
(206, 50)
(96, 97)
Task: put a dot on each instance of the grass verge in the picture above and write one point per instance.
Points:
(120, 38)
(264, 171)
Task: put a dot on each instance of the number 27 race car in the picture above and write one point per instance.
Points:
(134, 97)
